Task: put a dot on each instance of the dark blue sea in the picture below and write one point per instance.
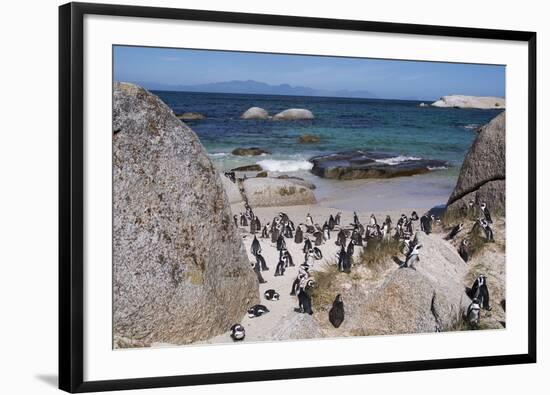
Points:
(399, 127)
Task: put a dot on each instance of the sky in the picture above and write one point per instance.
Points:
(391, 79)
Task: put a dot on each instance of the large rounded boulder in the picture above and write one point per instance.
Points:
(482, 177)
(180, 271)
(269, 192)
(293, 114)
(255, 113)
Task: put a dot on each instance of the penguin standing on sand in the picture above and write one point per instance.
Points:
(274, 234)
(331, 222)
(309, 220)
(341, 238)
(255, 247)
(281, 243)
(486, 212)
(343, 260)
(258, 224)
(236, 220)
(280, 269)
(253, 227)
(299, 235)
(318, 237)
(471, 209)
(260, 264)
(326, 232)
(288, 259)
(355, 219)
(304, 297)
(336, 313)
(307, 245)
(337, 218)
(265, 232)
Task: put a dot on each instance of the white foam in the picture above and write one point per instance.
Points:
(219, 154)
(471, 126)
(397, 159)
(437, 167)
(285, 165)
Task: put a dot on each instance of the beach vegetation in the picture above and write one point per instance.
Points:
(377, 253)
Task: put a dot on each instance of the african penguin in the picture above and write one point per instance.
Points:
(257, 311)
(480, 291)
(456, 229)
(255, 247)
(412, 258)
(337, 218)
(237, 332)
(336, 313)
(463, 250)
(304, 297)
(298, 235)
(271, 294)
(281, 243)
(307, 245)
(486, 212)
(426, 223)
(473, 313)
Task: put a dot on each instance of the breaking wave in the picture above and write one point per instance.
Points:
(285, 165)
(397, 159)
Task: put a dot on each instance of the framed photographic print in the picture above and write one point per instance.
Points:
(250, 197)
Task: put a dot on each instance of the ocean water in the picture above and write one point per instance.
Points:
(399, 127)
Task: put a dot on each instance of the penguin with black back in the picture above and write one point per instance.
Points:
(336, 313)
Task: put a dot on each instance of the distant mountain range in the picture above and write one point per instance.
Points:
(259, 88)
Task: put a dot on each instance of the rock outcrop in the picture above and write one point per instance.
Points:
(252, 151)
(359, 164)
(255, 113)
(294, 114)
(427, 299)
(231, 190)
(295, 327)
(308, 139)
(247, 168)
(480, 102)
(267, 192)
(191, 116)
(482, 177)
(180, 271)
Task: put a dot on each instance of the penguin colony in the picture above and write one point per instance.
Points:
(310, 235)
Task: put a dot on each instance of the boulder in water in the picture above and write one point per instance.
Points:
(255, 113)
(294, 114)
(180, 270)
(352, 165)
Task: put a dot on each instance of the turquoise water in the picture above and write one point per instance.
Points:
(401, 128)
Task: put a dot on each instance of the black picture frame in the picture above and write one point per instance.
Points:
(71, 197)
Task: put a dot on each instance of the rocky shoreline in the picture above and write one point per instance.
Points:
(182, 258)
